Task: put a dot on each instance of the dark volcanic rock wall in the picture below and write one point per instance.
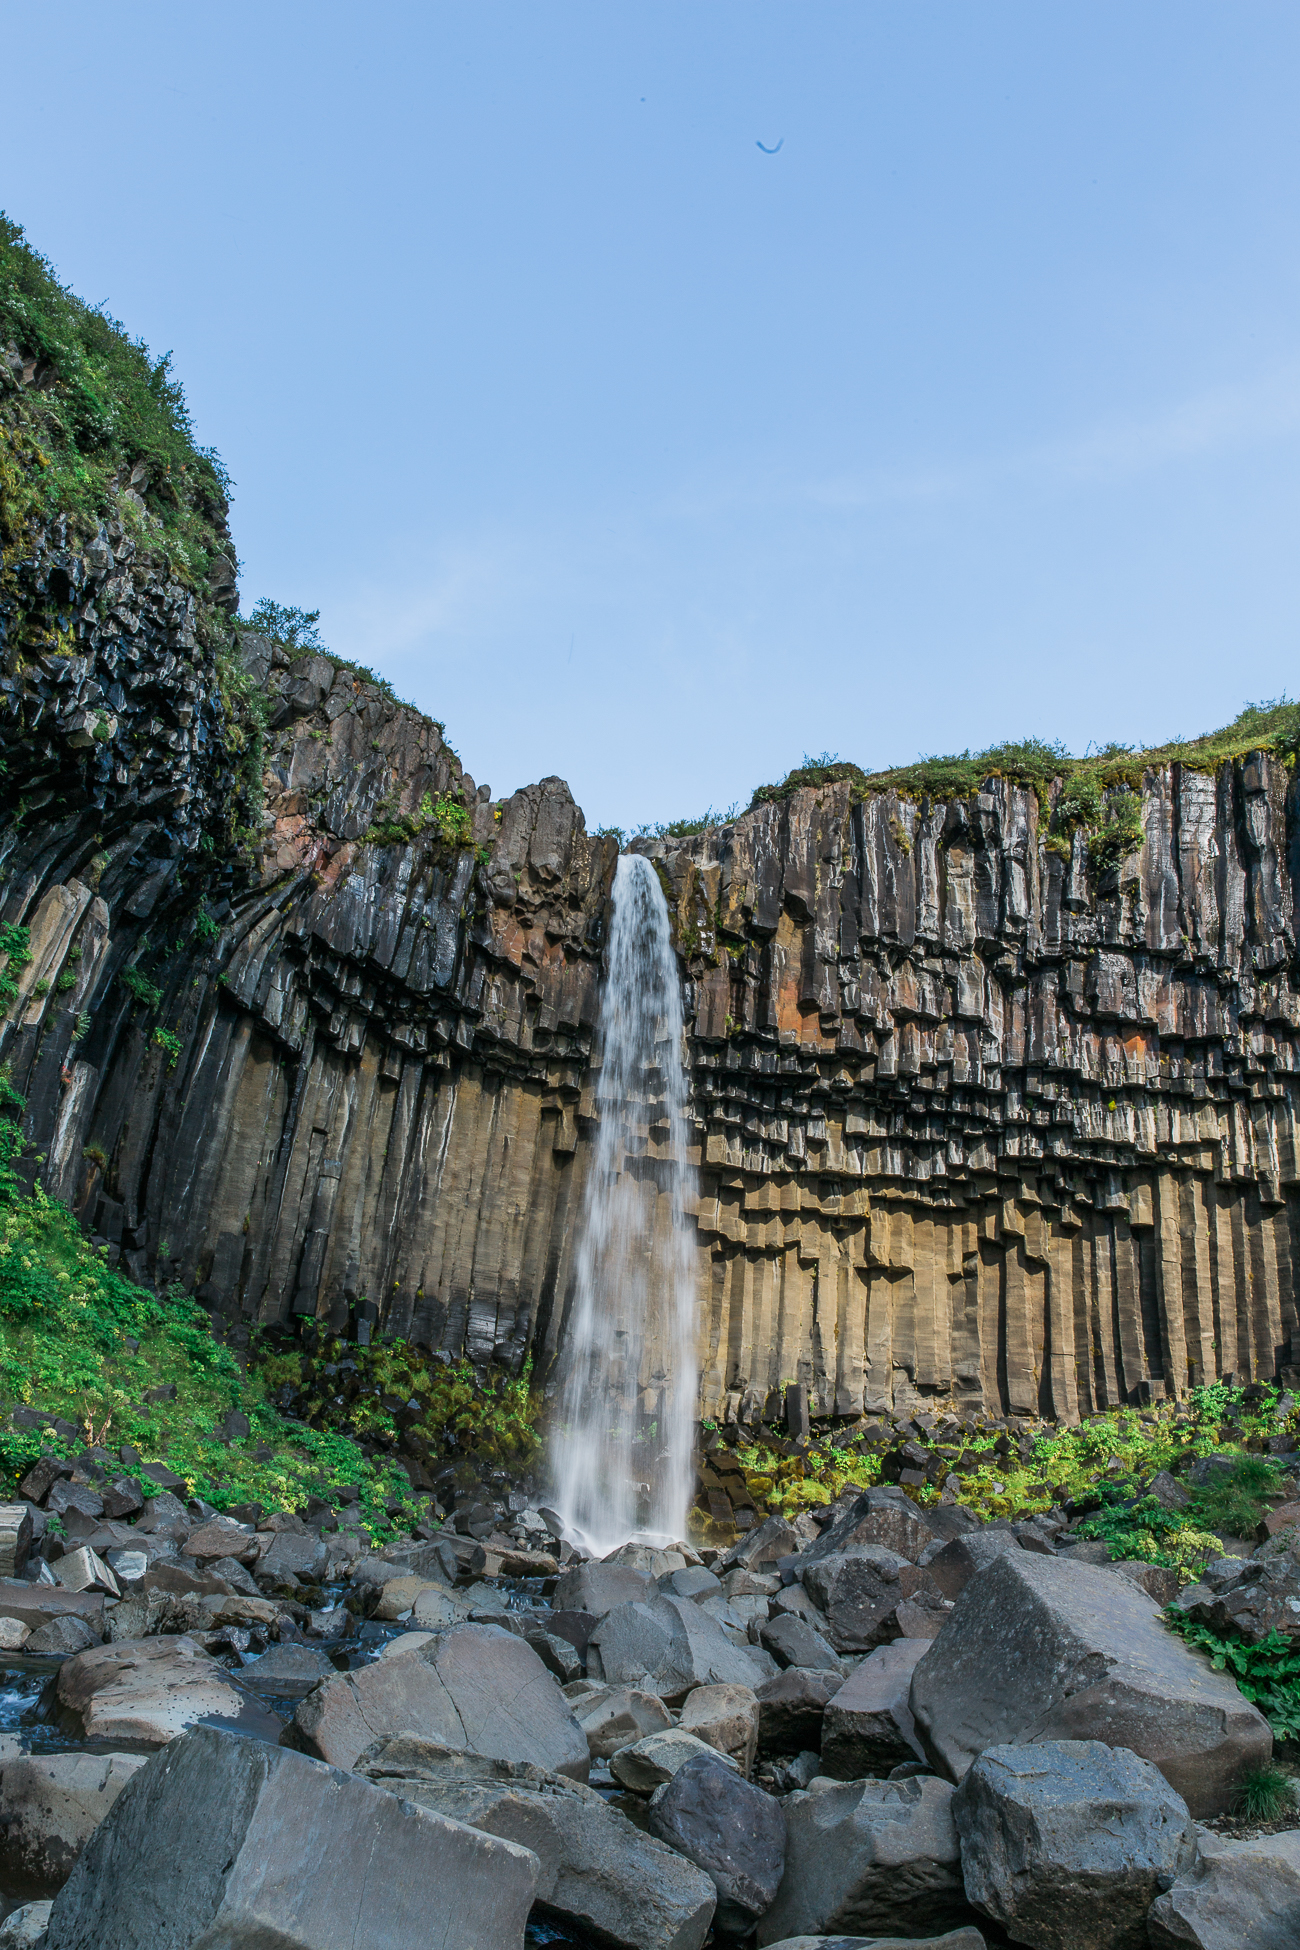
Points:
(979, 1121)
(974, 1121)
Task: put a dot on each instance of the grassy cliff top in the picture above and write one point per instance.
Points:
(1272, 726)
(92, 425)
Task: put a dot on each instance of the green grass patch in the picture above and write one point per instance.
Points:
(85, 1344)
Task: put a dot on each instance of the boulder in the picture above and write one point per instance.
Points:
(50, 1805)
(13, 1634)
(725, 1718)
(667, 1647)
(148, 1691)
(766, 1544)
(15, 1538)
(289, 1559)
(1067, 1843)
(964, 1939)
(613, 1717)
(1038, 1649)
(792, 1641)
(60, 1638)
(474, 1688)
(435, 1607)
(691, 1582)
(597, 1870)
(953, 1567)
(599, 1588)
(222, 1537)
(85, 1570)
(287, 1671)
(731, 1830)
(648, 1763)
(34, 1605)
(399, 1595)
(1236, 1896)
(1252, 1596)
(790, 1709)
(24, 1929)
(870, 1857)
(868, 1727)
(883, 1516)
(858, 1593)
(226, 1841)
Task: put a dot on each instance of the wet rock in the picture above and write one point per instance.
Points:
(600, 1588)
(277, 1848)
(597, 1871)
(868, 1727)
(869, 1857)
(61, 1638)
(1067, 1843)
(287, 1671)
(474, 1688)
(964, 1939)
(1236, 1896)
(24, 1929)
(731, 1830)
(35, 1605)
(149, 1691)
(1038, 1649)
(725, 1718)
(50, 1805)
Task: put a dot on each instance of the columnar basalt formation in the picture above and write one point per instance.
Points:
(980, 1122)
(974, 1120)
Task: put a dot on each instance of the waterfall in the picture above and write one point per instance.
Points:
(621, 1452)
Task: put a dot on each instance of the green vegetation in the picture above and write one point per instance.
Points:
(1268, 1673)
(451, 820)
(167, 1040)
(146, 993)
(1264, 1794)
(394, 1391)
(86, 1345)
(101, 428)
(1091, 797)
(15, 946)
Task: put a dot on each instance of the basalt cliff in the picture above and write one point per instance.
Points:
(303, 1018)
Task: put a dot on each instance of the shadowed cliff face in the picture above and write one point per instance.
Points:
(974, 1121)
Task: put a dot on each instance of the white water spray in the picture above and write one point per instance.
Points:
(621, 1454)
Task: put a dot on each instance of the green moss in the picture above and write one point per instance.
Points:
(100, 412)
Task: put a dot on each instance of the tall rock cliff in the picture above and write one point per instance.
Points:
(302, 1017)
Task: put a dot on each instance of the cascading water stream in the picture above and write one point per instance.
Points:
(621, 1453)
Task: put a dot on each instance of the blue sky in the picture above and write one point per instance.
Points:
(643, 457)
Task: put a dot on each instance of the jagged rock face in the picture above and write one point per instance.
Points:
(974, 1123)
(979, 1123)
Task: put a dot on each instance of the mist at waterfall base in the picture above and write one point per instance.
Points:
(621, 1451)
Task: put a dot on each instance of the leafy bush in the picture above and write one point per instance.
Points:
(146, 993)
(102, 413)
(375, 1391)
(1267, 1673)
(15, 945)
(86, 1344)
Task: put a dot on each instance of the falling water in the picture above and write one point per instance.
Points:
(621, 1455)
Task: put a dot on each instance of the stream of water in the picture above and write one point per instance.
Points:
(621, 1454)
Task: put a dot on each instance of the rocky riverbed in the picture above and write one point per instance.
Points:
(886, 1722)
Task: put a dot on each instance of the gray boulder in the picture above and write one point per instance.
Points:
(882, 1516)
(50, 1806)
(1067, 1843)
(965, 1939)
(287, 1671)
(793, 1641)
(859, 1592)
(733, 1831)
(790, 1709)
(648, 1763)
(596, 1869)
(725, 1718)
(220, 1840)
(870, 1857)
(598, 1588)
(614, 1717)
(474, 1688)
(1236, 1896)
(953, 1567)
(148, 1691)
(868, 1727)
(24, 1929)
(60, 1638)
(1038, 1649)
(667, 1647)
(289, 1560)
(34, 1605)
